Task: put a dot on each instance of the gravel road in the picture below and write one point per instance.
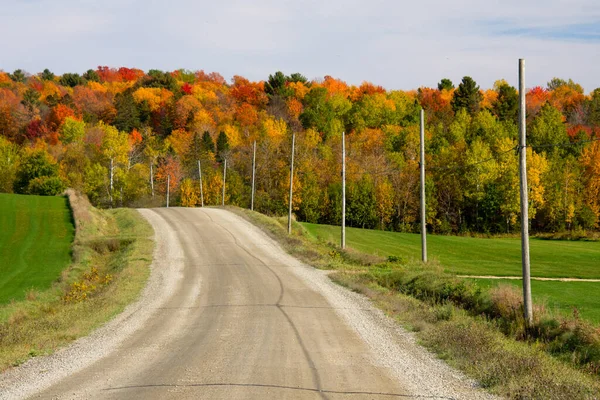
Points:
(227, 314)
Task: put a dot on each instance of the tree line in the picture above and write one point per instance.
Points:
(117, 134)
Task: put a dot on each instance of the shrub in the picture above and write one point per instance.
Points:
(46, 186)
(573, 340)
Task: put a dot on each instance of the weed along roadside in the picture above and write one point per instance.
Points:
(111, 255)
(478, 330)
(565, 272)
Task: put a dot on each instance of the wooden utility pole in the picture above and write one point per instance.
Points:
(224, 177)
(343, 244)
(253, 174)
(112, 170)
(527, 306)
(152, 178)
(201, 192)
(291, 184)
(423, 213)
(168, 188)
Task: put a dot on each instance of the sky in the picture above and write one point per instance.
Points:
(396, 44)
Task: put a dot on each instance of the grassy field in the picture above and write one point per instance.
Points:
(562, 297)
(501, 257)
(475, 256)
(35, 243)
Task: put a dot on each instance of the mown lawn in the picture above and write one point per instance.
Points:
(500, 257)
(562, 297)
(36, 233)
(475, 256)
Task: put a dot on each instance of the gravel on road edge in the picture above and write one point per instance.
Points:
(391, 346)
(40, 373)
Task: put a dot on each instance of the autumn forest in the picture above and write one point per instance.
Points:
(120, 134)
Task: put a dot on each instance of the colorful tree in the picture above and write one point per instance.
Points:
(548, 131)
(189, 193)
(37, 173)
(590, 160)
(72, 130)
(169, 171)
(244, 91)
(115, 148)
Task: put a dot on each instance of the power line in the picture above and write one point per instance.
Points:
(565, 144)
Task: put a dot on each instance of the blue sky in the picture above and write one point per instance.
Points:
(397, 44)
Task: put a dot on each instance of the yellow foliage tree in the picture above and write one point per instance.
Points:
(213, 189)
(153, 96)
(233, 134)
(204, 95)
(537, 165)
(180, 140)
(189, 192)
(590, 158)
(97, 87)
(274, 129)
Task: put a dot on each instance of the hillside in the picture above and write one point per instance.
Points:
(120, 135)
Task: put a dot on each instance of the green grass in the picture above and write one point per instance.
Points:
(35, 243)
(475, 256)
(475, 330)
(108, 243)
(562, 297)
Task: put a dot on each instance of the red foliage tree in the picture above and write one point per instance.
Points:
(130, 74)
(108, 74)
(244, 91)
(246, 115)
(58, 115)
(186, 88)
(36, 129)
(536, 98)
(213, 77)
(366, 88)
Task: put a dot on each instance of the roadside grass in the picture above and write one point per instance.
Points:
(503, 366)
(475, 256)
(577, 299)
(35, 243)
(488, 256)
(478, 330)
(112, 252)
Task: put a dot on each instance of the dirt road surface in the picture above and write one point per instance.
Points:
(228, 315)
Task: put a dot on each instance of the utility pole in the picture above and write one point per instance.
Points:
(224, 176)
(253, 174)
(343, 190)
(112, 169)
(201, 192)
(168, 188)
(423, 214)
(527, 306)
(152, 178)
(291, 184)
